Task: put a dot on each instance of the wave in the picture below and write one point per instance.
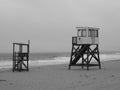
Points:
(108, 57)
(54, 61)
(57, 60)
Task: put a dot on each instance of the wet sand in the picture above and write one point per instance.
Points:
(58, 77)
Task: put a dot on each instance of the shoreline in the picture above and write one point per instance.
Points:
(55, 64)
(58, 77)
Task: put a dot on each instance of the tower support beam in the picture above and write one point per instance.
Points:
(85, 55)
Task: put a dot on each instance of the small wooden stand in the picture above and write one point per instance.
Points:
(21, 56)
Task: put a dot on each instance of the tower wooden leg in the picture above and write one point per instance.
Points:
(99, 65)
(71, 57)
(87, 66)
(69, 67)
(82, 63)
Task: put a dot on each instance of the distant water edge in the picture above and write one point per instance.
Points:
(40, 59)
(37, 56)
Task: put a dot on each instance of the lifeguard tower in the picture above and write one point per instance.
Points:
(21, 56)
(85, 50)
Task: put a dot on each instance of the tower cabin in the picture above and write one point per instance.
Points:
(85, 48)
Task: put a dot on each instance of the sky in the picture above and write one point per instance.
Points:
(50, 24)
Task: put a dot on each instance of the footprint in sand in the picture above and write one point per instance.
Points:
(81, 75)
(10, 83)
(113, 76)
(94, 78)
(86, 76)
(2, 80)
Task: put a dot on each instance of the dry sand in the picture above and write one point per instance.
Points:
(58, 77)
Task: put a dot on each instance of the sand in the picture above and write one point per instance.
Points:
(58, 77)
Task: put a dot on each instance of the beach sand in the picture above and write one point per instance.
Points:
(58, 77)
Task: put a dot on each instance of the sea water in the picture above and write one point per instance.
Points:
(42, 59)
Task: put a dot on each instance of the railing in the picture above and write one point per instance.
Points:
(74, 40)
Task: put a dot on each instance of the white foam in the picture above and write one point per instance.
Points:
(57, 60)
(6, 64)
(108, 57)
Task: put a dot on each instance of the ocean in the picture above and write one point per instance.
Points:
(42, 59)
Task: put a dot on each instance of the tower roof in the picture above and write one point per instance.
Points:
(88, 28)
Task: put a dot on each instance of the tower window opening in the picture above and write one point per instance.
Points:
(93, 33)
(96, 33)
(82, 32)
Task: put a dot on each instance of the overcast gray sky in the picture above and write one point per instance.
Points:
(50, 24)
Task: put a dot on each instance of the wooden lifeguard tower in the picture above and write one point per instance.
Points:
(21, 56)
(85, 50)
